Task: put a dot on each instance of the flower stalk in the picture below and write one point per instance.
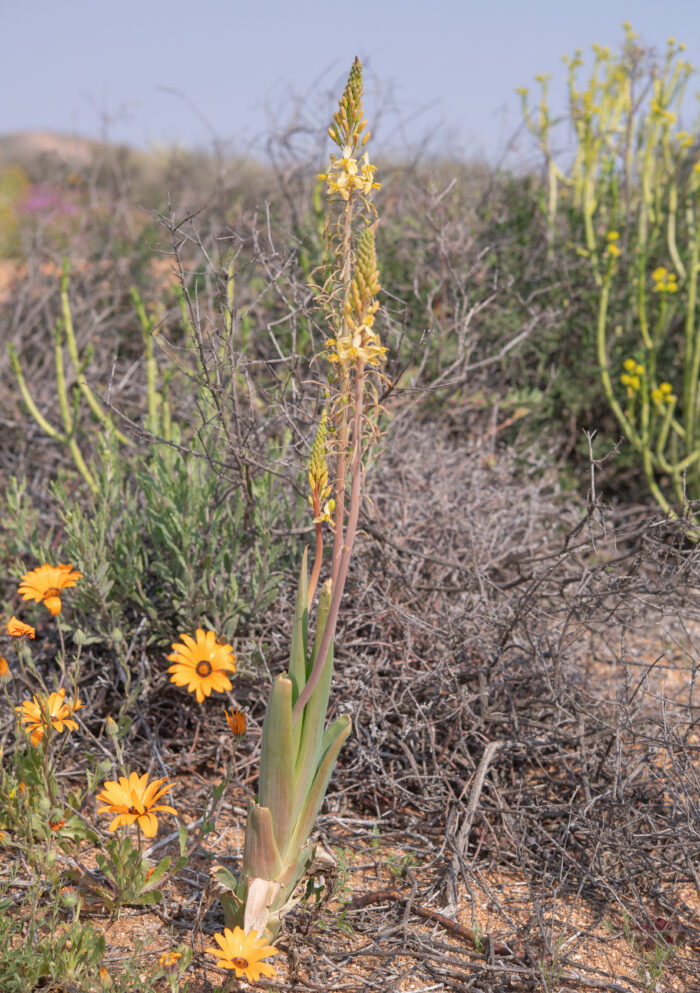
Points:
(298, 752)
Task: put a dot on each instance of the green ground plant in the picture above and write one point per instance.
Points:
(163, 539)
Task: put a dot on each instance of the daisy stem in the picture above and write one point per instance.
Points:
(62, 660)
(28, 664)
(47, 767)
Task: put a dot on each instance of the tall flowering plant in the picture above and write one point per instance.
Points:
(298, 751)
(633, 194)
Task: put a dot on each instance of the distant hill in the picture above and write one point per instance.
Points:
(27, 147)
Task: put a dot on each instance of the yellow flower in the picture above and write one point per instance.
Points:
(5, 674)
(243, 952)
(362, 345)
(665, 388)
(134, 799)
(657, 396)
(46, 583)
(41, 713)
(18, 629)
(169, 958)
(236, 721)
(613, 235)
(345, 175)
(659, 275)
(629, 365)
(202, 665)
(326, 514)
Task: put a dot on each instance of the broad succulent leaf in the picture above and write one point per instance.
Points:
(332, 743)
(298, 659)
(276, 762)
(313, 718)
(261, 855)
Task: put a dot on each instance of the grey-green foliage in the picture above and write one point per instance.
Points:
(166, 544)
(173, 542)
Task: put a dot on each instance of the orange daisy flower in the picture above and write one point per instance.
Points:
(202, 665)
(46, 583)
(168, 959)
(134, 799)
(41, 713)
(236, 721)
(18, 629)
(242, 952)
(5, 674)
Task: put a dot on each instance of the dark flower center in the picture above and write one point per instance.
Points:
(133, 810)
(203, 668)
(240, 963)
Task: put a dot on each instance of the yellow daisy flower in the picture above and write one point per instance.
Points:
(242, 952)
(201, 665)
(46, 583)
(40, 713)
(134, 799)
(18, 629)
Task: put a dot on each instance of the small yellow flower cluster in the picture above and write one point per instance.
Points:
(318, 470)
(318, 477)
(664, 281)
(361, 343)
(613, 250)
(632, 376)
(667, 115)
(663, 394)
(345, 174)
(684, 139)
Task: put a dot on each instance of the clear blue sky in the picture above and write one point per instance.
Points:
(450, 65)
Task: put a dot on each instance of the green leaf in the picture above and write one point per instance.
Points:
(276, 762)
(182, 837)
(144, 899)
(225, 877)
(313, 719)
(261, 856)
(298, 655)
(159, 870)
(332, 743)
